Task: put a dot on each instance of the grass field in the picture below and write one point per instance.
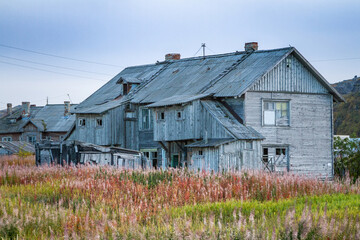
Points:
(106, 203)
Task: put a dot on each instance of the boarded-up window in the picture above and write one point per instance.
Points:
(276, 113)
(249, 145)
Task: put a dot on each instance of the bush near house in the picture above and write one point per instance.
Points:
(347, 157)
(89, 202)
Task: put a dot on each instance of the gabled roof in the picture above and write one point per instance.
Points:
(49, 118)
(223, 75)
(229, 122)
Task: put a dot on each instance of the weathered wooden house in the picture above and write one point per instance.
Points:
(32, 123)
(252, 109)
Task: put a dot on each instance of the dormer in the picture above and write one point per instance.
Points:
(128, 83)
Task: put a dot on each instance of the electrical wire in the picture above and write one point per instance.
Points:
(44, 70)
(55, 66)
(57, 56)
(339, 59)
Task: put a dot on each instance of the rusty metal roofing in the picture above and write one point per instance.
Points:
(212, 142)
(229, 122)
(15, 146)
(177, 99)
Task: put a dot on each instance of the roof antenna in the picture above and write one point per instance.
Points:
(47, 100)
(69, 98)
(203, 45)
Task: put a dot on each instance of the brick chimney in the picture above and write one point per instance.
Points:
(251, 46)
(172, 56)
(66, 108)
(25, 109)
(9, 108)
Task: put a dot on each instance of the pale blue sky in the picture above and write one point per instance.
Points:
(126, 33)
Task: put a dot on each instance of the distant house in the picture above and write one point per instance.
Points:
(252, 109)
(32, 123)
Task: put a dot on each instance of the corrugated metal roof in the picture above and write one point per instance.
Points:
(97, 109)
(177, 99)
(224, 75)
(111, 90)
(15, 146)
(229, 122)
(213, 142)
(49, 118)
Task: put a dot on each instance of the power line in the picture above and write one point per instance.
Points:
(57, 56)
(55, 66)
(339, 59)
(44, 70)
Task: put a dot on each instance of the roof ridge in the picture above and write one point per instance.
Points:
(209, 56)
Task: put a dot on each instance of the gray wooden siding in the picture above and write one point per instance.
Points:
(211, 128)
(227, 157)
(172, 129)
(309, 135)
(295, 78)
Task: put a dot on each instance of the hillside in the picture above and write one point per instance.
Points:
(347, 115)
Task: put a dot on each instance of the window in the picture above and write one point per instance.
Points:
(288, 62)
(82, 122)
(179, 115)
(31, 139)
(200, 152)
(160, 115)
(276, 113)
(146, 119)
(280, 151)
(265, 155)
(99, 122)
(125, 89)
(6, 139)
(249, 145)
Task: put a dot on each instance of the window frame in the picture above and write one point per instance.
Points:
(82, 122)
(32, 137)
(276, 124)
(247, 146)
(159, 115)
(97, 122)
(181, 115)
(6, 139)
(148, 117)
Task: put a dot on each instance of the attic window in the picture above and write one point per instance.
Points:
(82, 122)
(288, 62)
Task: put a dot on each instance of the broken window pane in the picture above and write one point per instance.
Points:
(99, 122)
(276, 113)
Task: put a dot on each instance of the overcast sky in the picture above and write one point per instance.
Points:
(125, 33)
